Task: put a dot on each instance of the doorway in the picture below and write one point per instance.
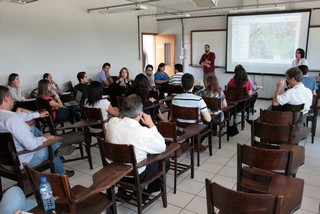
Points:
(157, 49)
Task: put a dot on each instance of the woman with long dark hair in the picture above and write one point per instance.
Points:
(240, 79)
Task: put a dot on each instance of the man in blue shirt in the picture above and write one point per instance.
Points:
(308, 82)
(104, 77)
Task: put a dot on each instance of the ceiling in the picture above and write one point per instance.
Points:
(223, 6)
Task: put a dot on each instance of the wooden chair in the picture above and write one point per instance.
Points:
(312, 117)
(214, 104)
(229, 201)
(169, 131)
(201, 130)
(174, 89)
(123, 153)
(238, 96)
(277, 117)
(77, 199)
(255, 174)
(10, 163)
(271, 134)
(72, 135)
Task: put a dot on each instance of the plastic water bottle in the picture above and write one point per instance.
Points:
(46, 196)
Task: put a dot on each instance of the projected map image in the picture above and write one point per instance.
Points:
(273, 40)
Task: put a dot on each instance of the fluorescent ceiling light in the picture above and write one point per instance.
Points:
(172, 16)
(248, 10)
(23, 1)
(205, 3)
(122, 9)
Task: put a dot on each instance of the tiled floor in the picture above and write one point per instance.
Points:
(221, 168)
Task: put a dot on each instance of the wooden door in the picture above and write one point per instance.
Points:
(165, 52)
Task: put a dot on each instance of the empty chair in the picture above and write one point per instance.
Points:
(258, 172)
(230, 202)
(169, 131)
(77, 199)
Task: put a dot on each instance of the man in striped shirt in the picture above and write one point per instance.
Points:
(188, 99)
(178, 73)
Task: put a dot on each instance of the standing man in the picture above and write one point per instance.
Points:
(207, 61)
(105, 78)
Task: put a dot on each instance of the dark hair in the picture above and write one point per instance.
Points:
(304, 69)
(45, 76)
(106, 64)
(141, 83)
(124, 68)
(212, 85)
(95, 92)
(43, 88)
(149, 66)
(207, 45)
(160, 66)
(81, 75)
(240, 75)
(131, 106)
(301, 51)
(178, 67)
(4, 91)
(11, 78)
(187, 81)
(295, 73)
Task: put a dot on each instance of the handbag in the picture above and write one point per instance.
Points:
(233, 130)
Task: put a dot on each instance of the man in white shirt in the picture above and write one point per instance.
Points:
(145, 139)
(297, 93)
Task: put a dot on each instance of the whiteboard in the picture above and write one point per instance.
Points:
(313, 55)
(217, 41)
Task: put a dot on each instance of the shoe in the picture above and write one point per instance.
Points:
(65, 149)
(123, 195)
(69, 173)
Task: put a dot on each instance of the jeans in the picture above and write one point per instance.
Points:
(14, 199)
(43, 154)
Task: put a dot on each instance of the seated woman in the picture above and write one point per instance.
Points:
(59, 112)
(95, 100)
(141, 88)
(124, 79)
(14, 87)
(213, 90)
(240, 79)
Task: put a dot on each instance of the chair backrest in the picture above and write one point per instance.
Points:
(235, 93)
(167, 129)
(268, 159)
(229, 201)
(8, 157)
(277, 117)
(59, 183)
(94, 114)
(43, 104)
(271, 133)
(314, 106)
(213, 103)
(296, 109)
(184, 116)
(121, 153)
(174, 89)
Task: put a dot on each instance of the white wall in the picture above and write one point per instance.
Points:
(220, 22)
(61, 38)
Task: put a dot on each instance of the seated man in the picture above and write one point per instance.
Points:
(105, 78)
(146, 139)
(149, 74)
(296, 94)
(82, 86)
(308, 82)
(190, 100)
(178, 73)
(26, 138)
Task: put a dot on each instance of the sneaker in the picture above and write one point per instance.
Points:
(69, 173)
(65, 149)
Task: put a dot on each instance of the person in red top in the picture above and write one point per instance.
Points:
(240, 79)
(207, 61)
